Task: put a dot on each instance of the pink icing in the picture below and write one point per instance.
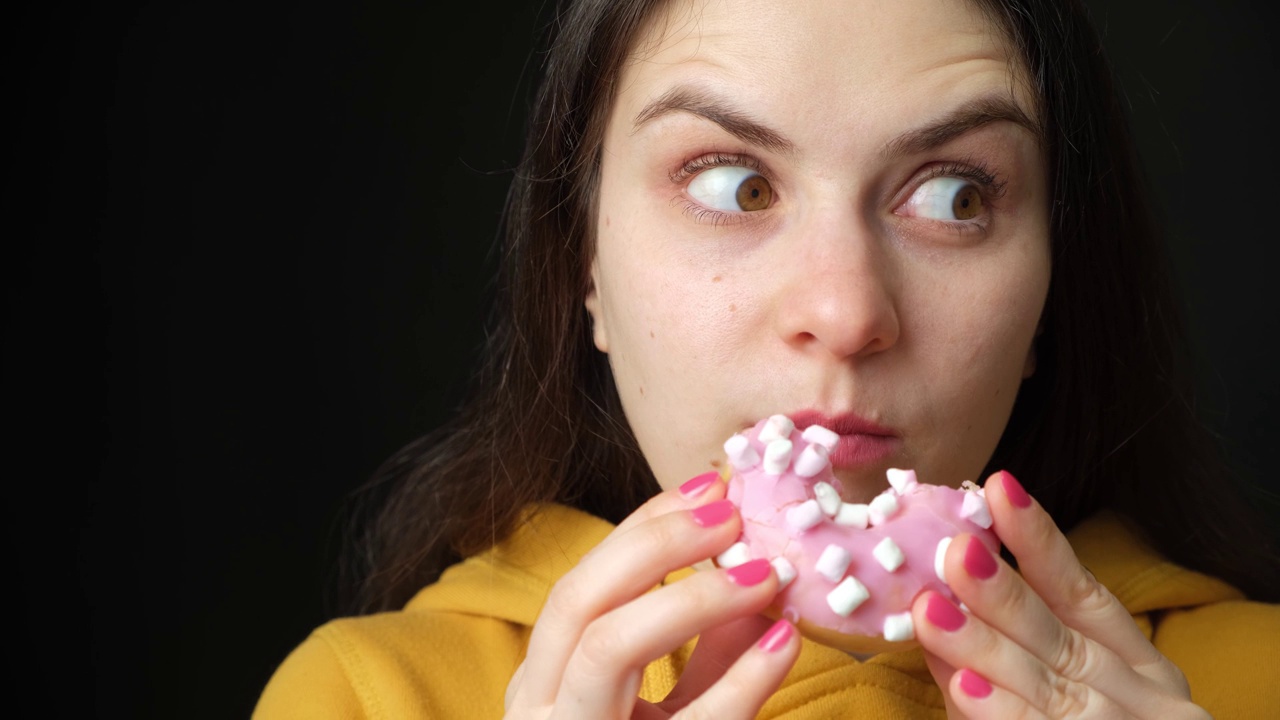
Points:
(926, 514)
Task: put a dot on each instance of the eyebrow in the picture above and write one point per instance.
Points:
(710, 106)
(719, 111)
(969, 116)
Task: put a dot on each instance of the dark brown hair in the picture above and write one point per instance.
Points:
(1107, 420)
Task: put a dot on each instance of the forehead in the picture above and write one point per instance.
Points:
(826, 65)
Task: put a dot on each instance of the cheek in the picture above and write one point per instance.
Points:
(672, 300)
(983, 330)
(672, 323)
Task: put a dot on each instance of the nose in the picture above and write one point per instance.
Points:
(840, 295)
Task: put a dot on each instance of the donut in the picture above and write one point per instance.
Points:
(847, 572)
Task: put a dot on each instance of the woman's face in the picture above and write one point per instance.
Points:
(832, 209)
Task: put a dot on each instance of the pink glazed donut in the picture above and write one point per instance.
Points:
(848, 572)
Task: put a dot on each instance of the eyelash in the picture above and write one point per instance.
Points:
(701, 213)
(971, 169)
(975, 171)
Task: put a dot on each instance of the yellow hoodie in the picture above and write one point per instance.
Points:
(451, 651)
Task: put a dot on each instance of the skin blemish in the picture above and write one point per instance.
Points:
(715, 279)
(650, 333)
(641, 391)
(733, 308)
(715, 464)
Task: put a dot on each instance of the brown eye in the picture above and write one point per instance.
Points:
(754, 193)
(731, 189)
(967, 204)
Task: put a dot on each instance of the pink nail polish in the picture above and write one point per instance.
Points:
(698, 485)
(713, 513)
(1014, 490)
(978, 561)
(752, 572)
(943, 614)
(973, 684)
(777, 637)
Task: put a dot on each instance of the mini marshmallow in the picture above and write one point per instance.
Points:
(778, 427)
(975, 510)
(785, 570)
(855, 515)
(899, 627)
(737, 554)
(832, 563)
(883, 507)
(821, 436)
(939, 556)
(812, 460)
(804, 516)
(828, 498)
(902, 481)
(777, 456)
(847, 596)
(741, 454)
(888, 554)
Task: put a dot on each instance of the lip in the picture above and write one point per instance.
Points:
(862, 442)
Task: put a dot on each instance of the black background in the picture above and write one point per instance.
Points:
(247, 255)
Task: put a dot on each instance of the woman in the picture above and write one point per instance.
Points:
(918, 222)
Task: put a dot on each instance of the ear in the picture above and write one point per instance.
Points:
(592, 303)
(1029, 365)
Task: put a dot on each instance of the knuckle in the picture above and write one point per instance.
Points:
(1177, 678)
(570, 597)
(1066, 698)
(1074, 657)
(1085, 595)
(665, 532)
(600, 646)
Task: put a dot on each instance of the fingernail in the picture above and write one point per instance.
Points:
(752, 572)
(698, 485)
(973, 684)
(777, 637)
(978, 561)
(713, 513)
(943, 614)
(1014, 490)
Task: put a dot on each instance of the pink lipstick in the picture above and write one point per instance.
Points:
(862, 442)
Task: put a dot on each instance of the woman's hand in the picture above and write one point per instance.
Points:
(1051, 643)
(601, 626)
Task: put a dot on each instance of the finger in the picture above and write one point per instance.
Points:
(1049, 566)
(941, 670)
(627, 564)
(973, 696)
(705, 488)
(1087, 669)
(743, 690)
(717, 650)
(602, 675)
(512, 687)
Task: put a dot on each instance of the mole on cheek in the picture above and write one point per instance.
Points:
(650, 333)
(641, 391)
(733, 308)
(715, 279)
